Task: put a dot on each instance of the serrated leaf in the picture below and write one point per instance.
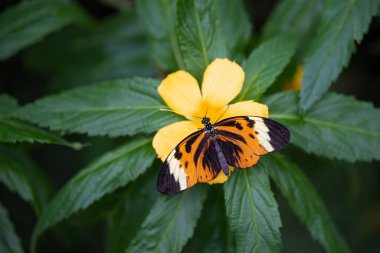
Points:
(159, 19)
(252, 211)
(343, 23)
(125, 220)
(29, 21)
(9, 241)
(115, 48)
(115, 108)
(264, 64)
(19, 174)
(7, 105)
(107, 173)
(13, 131)
(12, 175)
(294, 18)
(305, 202)
(236, 25)
(200, 35)
(42, 185)
(337, 126)
(170, 223)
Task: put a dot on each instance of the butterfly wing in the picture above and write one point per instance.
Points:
(193, 160)
(244, 138)
(241, 140)
(208, 163)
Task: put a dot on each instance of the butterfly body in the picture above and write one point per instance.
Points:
(236, 142)
(211, 133)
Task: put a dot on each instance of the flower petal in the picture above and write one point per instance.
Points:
(245, 108)
(171, 135)
(221, 177)
(181, 93)
(222, 82)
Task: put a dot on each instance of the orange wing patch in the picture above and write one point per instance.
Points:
(244, 139)
(237, 153)
(208, 164)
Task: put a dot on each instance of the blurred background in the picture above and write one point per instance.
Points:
(109, 43)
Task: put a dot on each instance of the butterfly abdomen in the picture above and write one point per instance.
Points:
(222, 159)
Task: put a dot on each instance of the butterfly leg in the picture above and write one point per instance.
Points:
(222, 159)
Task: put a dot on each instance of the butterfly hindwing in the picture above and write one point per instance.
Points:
(208, 164)
(243, 139)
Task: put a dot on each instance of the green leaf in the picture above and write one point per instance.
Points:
(170, 223)
(125, 220)
(236, 25)
(7, 105)
(115, 48)
(200, 35)
(343, 23)
(264, 64)
(121, 107)
(252, 211)
(9, 241)
(13, 131)
(107, 173)
(19, 174)
(38, 180)
(29, 21)
(337, 126)
(305, 202)
(13, 175)
(295, 18)
(159, 20)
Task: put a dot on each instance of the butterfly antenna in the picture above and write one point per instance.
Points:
(200, 117)
(206, 112)
(168, 110)
(228, 106)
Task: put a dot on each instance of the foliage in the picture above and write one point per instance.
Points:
(107, 72)
(9, 240)
(253, 212)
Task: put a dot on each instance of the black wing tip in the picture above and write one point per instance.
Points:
(168, 189)
(279, 134)
(166, 184)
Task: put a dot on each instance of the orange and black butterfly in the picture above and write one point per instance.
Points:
(236, 141)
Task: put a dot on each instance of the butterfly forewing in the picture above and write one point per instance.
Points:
(243, 139)
(193, 160)
(179, 171)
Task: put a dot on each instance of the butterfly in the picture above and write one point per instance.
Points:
(236, 141)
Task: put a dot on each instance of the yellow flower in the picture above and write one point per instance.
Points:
(222, 82)
(295, 83)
